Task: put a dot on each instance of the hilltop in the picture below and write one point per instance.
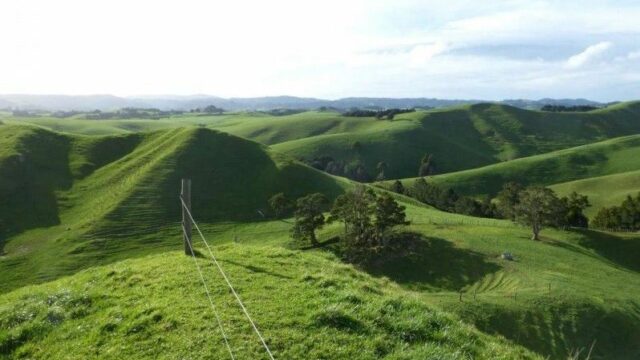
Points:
(176, 102)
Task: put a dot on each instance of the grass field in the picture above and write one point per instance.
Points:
(608, 157)
(90, 231)
(607, 190)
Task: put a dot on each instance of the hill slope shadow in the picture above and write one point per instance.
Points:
(620, 251)
(431, 263)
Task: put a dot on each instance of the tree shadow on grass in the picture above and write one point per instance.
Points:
(258, 269)
(426, 263)
(623, 252)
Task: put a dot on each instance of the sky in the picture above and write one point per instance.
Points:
(329, 49)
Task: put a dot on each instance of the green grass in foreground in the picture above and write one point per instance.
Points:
(306, 304)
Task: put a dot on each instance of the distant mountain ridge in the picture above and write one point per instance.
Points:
(176, 102)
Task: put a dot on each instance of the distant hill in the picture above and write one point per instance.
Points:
(174, 102)
(460, 138)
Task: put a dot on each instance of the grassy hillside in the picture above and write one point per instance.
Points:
(467, 137)
(460, 138)
(82, 199)
(602, 158)
(115, 198)
(306, 304)
(603, 190)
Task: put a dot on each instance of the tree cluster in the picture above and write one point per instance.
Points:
(625, 216)
(388, 114)
(354, 170)
(368, 219)
(131, 113)
(537, 206)
(563, 108)
(445, 199)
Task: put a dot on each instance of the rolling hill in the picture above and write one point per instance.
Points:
(460, 138)
(91, 194)
(608, 157)
(90, 225)
(606, 190)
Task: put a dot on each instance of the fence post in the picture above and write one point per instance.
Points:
(185, 194)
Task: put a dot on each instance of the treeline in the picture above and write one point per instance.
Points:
(356, 170)
(211, 109)
(388, 114)
(446, 199)
(563, 108)
(624, 217)
(131, 113)
(534, 206)
(368, 219)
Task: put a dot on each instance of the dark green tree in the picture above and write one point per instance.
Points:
(575, 204)
(397, 187)
(309, 217)
(382, 168)
(388, 213)
(625, 216)
(538, 206)
(280, 205)
(508, 198)
(355, 209)
(426, 165)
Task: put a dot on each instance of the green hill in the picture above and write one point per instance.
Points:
(306, 304)
(597, 159)
(465, 137)
(603, 190)
(82, 199)
(460, 138)
(114, 198)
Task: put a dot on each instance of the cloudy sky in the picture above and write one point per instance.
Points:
(402, 48)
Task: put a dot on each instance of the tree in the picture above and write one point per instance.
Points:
(426, 165)
(381, 167)
(280, 205)
(212, 109)
(309, 217)
(397, 187)
(508, 198)
(574, 205)
(467, 206)
(357, 171)
(388, 213)
(367, 219)
(356, 146)
(538, 206)
(354, 209)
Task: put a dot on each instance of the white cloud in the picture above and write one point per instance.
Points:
(458, 48)
(589, 54)
(421, 54)
(633, 55)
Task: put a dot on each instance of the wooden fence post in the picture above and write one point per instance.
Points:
(185, 194)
